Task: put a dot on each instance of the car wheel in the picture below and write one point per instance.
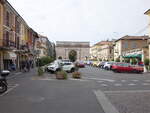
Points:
(72, 70)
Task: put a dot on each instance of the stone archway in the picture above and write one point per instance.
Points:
(72, 55)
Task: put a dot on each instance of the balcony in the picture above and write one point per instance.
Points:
(7, 44)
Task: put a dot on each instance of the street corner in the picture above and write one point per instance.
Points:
(129, 101)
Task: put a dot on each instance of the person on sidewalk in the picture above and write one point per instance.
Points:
(28, 65)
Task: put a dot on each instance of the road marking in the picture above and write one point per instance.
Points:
(105, 103)
(108, 80)
(78, 80)
(128, 91)
(9, 89)
(146, 84)
(117, 84)
(104, 85)
(100, 81)
(147, 80)
(123, 80)
(131, 84)
(135, 80)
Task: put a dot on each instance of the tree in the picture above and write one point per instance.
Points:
(45, 60)
(118, 60)
(60, 57)
(73, 55)
(146, 62)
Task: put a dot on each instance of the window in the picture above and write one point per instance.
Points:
(125, 45)
(133, 45)
(7, 18)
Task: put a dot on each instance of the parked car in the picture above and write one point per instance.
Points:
(107, 65)
(68, 66)
(126, 67)
(101, 65)
(54, 67)
(95, 63)
(57, 66)
(80, 64)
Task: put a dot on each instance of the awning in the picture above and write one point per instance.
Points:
(133, 56)
(10, 55)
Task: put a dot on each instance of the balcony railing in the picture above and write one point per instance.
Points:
(7, 43)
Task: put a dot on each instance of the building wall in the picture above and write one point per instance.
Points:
(94, 51)
(126, 45)
(106, 52)
(82, 52)
(117, 49)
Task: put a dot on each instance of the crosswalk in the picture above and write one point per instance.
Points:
(10, 88)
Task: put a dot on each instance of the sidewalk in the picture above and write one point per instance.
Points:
(17, 73)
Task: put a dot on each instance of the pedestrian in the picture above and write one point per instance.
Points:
(28, 65)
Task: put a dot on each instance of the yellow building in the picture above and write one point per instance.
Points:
(94, 51)
(1, 34)
(148, 13)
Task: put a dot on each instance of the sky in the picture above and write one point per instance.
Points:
(84, 20)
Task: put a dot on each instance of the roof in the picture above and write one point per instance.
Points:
(103, 43)
(133, 38)
(147, 12)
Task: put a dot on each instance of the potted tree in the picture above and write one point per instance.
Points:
(76, 75)
(146, 62)
(61, 75)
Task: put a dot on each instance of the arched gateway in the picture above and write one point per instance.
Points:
(82, 49)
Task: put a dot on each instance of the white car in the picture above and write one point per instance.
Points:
(53, 67)
(68, 66)
(107, 65)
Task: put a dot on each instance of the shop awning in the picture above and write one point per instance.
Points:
(133, 56)
(10, 55)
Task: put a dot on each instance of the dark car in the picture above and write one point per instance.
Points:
(126, 67)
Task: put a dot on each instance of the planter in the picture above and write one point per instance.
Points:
(76, 75)
(61, 75)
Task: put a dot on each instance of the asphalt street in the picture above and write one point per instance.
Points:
(99, 91)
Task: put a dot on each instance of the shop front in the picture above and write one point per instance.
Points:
(9, 60)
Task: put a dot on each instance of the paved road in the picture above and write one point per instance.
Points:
(98, 91)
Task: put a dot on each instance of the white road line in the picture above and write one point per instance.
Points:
(146, 84)
(128, 91)
(135, 80)
(117, 84)
(131, 84)
(105, 103)
(147, 80)
(108, 80)
(100, 81)
(78, 79)
(10, 89)
(123, 80)
(104, 85)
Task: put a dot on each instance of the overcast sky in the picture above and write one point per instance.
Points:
(84, 20)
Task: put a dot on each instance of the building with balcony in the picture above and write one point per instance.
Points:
(148, 14)
(17, 39)
(44, 47)
(131, 47)
(105, 52)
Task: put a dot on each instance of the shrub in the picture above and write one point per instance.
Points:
(118, 60)
(40, 71)
(61, 75)
(134, 61)
(146, 62)
(76, 75)
(44, 61)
